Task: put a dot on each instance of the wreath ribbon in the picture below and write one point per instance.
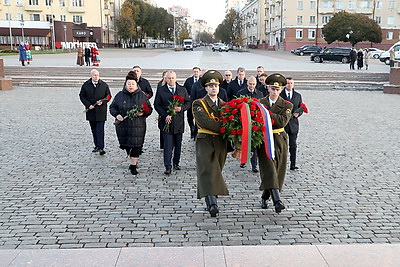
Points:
(267, 132)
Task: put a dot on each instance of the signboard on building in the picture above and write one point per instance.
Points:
(82, 33)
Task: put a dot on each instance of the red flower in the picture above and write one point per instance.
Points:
(272, 122)
(232, 105)
(231, 117)
(233, 132)
(146, 108)
(263, 128)
(252, 113)
(222, 130)
(109, 98)
(253, 107)
(254, 128)
(245, 99)
(235, 111)
(224, 120)
(270, 112)
(240, 131)
(179, 98)
(237, 100)
(304, 107)
(148, 95)
(227, 109)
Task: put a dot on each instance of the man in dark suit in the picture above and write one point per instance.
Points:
(188, 85)
(143, 83)
(292, 128)
(251, 91)
(172, 122)
(263, 87)
(95, 95)
(227, 80)
(260, 70)
(237, 84)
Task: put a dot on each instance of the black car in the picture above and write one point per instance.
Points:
(341, 54)
(306, 49)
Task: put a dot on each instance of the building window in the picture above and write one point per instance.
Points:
(311, 34)
(391, 4)
(300, 5)
(339, 5)
(327, 4)
(378, 20)
(390, 20)
(379, 5)
(63, 18)
(300, 20)
(312, 20)
(34, 2)
(48, 17)
(77, 2)
(352, 5)
(365, 4)
(8, 16)
(48, 2)
(20, 17)
(18, 2)
(7, 2)
(325, 19)
(77, 19)
(299, 34)
(62, 3)
(35, 17)
(389, 36)
(313, 4)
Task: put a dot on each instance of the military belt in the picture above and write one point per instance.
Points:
(202, 130)
(279, 130)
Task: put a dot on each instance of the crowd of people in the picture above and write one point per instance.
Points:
(361, 56)
(200, 97)
(88, 55)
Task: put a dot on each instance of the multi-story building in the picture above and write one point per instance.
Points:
(293, 23)
(42, 22)
(253, 19)
(234, 4)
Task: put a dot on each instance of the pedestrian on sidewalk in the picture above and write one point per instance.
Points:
(87, 55)
(79, 56)
(95, 95)
(131, 130)
(28, 49)
(211, 148)
(22, 53)
(353, 58)
(360, 59)
(367, 58)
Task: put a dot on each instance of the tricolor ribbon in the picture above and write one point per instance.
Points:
(267, 133)
(246, 135)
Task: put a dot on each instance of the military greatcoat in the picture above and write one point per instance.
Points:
(273, 172)
(210, 149)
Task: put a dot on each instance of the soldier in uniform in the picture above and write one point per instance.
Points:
(211, 148)
(273, 172)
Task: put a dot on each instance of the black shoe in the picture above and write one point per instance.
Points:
(96, 149)
(264, 204)
(243, 165)
(102, 152)
(133, 169)
(276, 200)
(167, 171)
(294, 168)
(177, 167)
(264, 198)
(279, 206)
(213, 210)
(254, 169)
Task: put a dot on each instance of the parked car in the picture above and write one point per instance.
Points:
(385, 56)
(306, 49)
(375, 52)
(341, 54)
(220, 47)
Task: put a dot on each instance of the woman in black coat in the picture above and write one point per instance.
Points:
(131, 132)
(360, 59)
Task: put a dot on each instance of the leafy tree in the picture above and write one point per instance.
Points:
(230, 30)
(205, 37)
(353, 28)
(125, 22)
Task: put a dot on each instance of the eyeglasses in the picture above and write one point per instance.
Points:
(228, 74)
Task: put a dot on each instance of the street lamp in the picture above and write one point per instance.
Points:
(9, 26)
(22, 27)
(65, 33)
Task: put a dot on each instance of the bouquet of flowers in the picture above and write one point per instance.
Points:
(302, 108)
(246, 123)
(133, 112)
(108, 98)
(176, 101)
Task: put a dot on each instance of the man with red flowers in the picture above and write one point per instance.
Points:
(95, 95)
(273, 172)
(292, 128)
(211, 148)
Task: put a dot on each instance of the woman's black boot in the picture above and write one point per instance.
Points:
(277, 201)
(133, 169)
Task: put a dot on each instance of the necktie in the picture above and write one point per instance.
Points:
(240, 82)
(172, 89)
(195, 80)
(288, 95)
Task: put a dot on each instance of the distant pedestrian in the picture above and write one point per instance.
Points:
(353, 57)
(131, 131)
(360, 59)
(95, 95)
(28, 49)
(87, 55)
(392, 57)
(22, 53)
(79, 56)
(366, 58)
(95, 56)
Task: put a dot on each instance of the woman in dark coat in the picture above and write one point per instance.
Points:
(131, 132)
(360, 59)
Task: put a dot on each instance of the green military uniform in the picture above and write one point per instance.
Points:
(210, 148)
(273, 172)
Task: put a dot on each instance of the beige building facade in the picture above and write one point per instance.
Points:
(253, 19)
(73, 21)
(292, 23)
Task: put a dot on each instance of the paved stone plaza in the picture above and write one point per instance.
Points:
(55, 193)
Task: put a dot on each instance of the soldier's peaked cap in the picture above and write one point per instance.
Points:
(211, 77)
(276, 80)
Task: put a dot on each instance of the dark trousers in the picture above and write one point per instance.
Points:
(172, 142)
(253, 159)
(352, 65)
(190, 120)
(97, 128)
(292, 148)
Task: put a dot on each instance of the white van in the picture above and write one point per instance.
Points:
(188, 44)
(385, 56)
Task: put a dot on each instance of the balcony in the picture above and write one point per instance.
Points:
(76, 9)
(364, 10)
(326, 10)
(34, 8)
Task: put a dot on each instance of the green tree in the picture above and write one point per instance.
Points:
(228, 30)
(125, 22)
(205, 37)
(353, 28)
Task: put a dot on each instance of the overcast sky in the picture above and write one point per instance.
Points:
(212, 11)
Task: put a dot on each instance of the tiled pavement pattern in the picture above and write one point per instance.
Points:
(55, 193)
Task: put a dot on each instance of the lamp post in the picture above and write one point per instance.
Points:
(65, 33)
(22, 28)
(9, 26)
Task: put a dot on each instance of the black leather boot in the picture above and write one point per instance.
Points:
(133, 169)
(212, 207)
(264, 198)
(277, 201)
